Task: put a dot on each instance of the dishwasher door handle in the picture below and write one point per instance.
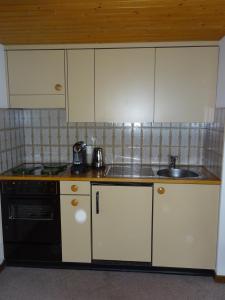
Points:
(97, 203)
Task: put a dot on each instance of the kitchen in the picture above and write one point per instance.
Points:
(43, 121)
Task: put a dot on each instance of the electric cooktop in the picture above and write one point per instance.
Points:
(129, 170)
(38, 169)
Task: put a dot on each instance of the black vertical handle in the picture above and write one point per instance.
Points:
(97, 202)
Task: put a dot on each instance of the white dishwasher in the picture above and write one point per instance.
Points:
(122, 222)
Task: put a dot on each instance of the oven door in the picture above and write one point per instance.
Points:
(33, 220)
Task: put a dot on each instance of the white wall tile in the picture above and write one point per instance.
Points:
(22, 130)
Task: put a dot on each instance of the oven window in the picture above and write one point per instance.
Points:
(30, 212)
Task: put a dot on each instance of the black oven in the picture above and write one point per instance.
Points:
(31, 220)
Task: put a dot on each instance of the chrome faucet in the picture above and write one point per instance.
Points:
(172, 161)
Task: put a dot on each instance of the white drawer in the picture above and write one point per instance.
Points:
(75, 187)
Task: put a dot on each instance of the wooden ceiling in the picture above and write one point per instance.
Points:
(89, 21)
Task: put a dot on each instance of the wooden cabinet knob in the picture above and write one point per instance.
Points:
(74, 202)
(58, 87)
(161, 190)
(74, 188)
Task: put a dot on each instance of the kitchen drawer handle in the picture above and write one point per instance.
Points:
(97, 203)
(74, 202)
(58, 87)
(161, 190)
(74, 188)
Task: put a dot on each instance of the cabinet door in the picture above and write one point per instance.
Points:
(80, 85)
(76, 228)
(36, 78)
(185, 221)
(124, 90)
(121, 217)
(185, 84)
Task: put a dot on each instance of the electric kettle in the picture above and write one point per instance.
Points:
(98, 158)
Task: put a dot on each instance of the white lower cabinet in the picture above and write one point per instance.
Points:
(115, 223)
(185, 219)
(76, 228)
(121, 222)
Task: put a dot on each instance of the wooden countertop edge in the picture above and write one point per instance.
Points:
(215, 181)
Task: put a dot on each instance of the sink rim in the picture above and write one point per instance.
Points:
(178, 173)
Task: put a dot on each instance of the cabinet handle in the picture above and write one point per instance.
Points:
(74, 202)
(97, 203)
(161, 190)
(74, 188)
(58, 87)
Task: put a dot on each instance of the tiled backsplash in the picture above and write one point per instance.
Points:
(48, 137)
(214, 143)
(12, 151)
(45, 136)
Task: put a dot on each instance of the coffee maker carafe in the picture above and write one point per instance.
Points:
(79, 158)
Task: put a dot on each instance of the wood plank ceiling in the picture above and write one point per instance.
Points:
(89, 21)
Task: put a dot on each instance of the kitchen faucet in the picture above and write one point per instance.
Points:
(172, 161)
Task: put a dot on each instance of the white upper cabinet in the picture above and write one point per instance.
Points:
(80, 64)
(185, 84)
(3, 82)
(36, 78)
(221, 76)
(124, 85)
(168, 84)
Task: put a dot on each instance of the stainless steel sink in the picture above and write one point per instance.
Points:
(177, 173)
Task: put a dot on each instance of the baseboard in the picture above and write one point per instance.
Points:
(219, 279)
(112, 266)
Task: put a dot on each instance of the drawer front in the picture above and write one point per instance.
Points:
(74, 187)
(76, 228)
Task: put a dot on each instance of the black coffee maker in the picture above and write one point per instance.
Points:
(79, 158)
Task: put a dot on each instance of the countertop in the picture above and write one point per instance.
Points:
(99, 176)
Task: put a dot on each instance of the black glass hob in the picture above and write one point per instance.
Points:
(38, 169)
